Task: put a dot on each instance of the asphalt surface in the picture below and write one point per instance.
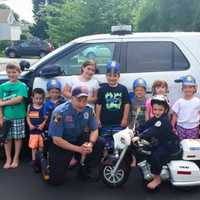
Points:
(24, 184)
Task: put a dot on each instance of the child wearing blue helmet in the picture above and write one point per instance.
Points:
(54, 98)
(112, 106)
(138, 101)
(186, 110)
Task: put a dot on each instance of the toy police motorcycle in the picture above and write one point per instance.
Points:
(182, 170)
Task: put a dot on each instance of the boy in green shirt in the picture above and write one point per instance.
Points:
(12, 107)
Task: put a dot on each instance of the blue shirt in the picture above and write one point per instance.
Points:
(67, 123)
(49, 106)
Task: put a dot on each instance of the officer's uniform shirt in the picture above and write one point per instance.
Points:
(67, 123)
(160, 129)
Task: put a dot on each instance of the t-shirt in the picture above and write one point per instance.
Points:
(112, 100)
(10, 90)
(188, 112)
(92, 84)
(36, 116)
(136, 103)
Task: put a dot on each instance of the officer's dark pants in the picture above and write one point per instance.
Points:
(59, 159)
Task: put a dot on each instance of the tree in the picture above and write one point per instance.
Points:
(100, 15)
(171, 15)
(64, 21)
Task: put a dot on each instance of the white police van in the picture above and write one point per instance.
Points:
(151, 56)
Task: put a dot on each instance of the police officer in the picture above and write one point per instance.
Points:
(159, 130)
(73, 129)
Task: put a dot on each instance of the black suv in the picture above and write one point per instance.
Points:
(28, 48)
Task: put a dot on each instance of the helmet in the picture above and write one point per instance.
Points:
(113, 67)
(160, 100)
(140, 82)
(188, 80)
(53, 84)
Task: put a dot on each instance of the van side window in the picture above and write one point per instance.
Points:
(155, 56)
(100, 52)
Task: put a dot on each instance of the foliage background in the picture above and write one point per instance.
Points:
(62, 20)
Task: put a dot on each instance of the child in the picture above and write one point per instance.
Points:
(138, 101)
(54, 99)
(13, 107)
(113, 100)
(36, 121)
(186, 111)
(88, 69)
(159, 87)
(160, 130)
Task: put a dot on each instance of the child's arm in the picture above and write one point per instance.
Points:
(98, 114)
(31, 127)
(93, 98)
(13, 101)
(124, 121)
(173, 121)
(146, 115)
(147, 110)
(42, 125)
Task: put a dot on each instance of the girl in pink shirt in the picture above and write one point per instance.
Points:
(159, 87)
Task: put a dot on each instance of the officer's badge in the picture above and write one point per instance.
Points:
(158, 124)
(57, 118)
(86, 115)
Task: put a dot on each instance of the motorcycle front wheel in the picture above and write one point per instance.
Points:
(116, 179)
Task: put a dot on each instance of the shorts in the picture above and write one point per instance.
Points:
(35, 141)
(17, 130)
(183, 133)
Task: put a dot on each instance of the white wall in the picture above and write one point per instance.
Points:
(15, 32)
(5, 31)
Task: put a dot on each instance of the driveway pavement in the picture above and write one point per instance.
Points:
(24, 184)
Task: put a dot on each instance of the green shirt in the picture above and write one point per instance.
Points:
(9, 90)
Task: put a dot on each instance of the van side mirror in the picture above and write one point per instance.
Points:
(50, 71)
(24, 64)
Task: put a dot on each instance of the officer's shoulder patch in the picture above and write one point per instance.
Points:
(57, 117)
(158, 124)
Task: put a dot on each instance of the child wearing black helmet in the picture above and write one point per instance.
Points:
(159, 130)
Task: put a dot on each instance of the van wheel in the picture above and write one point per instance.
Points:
(12, 54)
